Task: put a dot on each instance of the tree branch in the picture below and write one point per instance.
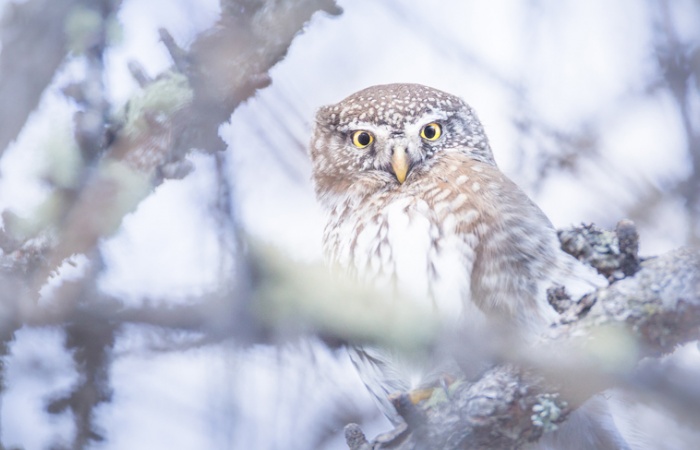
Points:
(170, 117)
(33, 47)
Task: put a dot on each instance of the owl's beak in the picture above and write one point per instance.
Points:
(400, 163)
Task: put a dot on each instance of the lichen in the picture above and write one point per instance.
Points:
(548, 411)
(158, 102)
(62, 161)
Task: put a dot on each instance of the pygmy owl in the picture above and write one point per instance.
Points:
(416, 202)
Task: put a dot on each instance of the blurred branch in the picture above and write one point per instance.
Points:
(90, 341)
(33, 46)
(552, 150)
(92, 121)
(123, 160)
(287, 159)
(36, 36)
(227, 64)
(451, 46)
(680, 66)
(174, 114)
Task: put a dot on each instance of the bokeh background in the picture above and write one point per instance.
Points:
(593, 108)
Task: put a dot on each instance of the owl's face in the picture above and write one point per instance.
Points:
(388, 135)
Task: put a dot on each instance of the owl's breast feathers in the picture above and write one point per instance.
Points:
(457, 236)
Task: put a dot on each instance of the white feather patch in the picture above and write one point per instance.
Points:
(409, 237)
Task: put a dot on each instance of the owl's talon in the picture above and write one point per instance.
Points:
(408, 410)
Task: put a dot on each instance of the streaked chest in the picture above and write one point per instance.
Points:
(418, 246)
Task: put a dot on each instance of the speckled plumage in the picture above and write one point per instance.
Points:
(457, 235)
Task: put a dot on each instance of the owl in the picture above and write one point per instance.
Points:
(417, 204)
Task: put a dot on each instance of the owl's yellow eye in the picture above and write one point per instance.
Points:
(362, 139)
(431, 132)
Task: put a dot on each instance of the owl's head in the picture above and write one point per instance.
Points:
(388, 135)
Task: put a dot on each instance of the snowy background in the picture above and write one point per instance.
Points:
(571, 95)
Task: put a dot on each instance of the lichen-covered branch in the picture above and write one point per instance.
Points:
(178, 112)
(120, 159)
(33, 47)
